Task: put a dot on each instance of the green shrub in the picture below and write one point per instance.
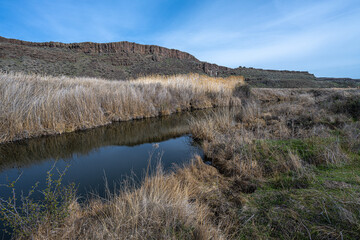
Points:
(24, 215)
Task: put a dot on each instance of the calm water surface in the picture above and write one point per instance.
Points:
(114, 152)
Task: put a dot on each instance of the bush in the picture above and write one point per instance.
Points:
(25, 215)
(350, 106)
(242, 91)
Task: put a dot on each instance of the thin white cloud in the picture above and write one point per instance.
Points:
(289, 35)
(314, 35)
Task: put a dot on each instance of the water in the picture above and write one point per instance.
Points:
(114, 152)
(113, 162)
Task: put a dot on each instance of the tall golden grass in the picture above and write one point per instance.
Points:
(262, 183)
(163, 207)
(33, 105)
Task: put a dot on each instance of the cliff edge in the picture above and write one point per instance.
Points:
(126, 60)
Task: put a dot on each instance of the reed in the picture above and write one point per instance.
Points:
(285, 166)
(33, 105)
(161, 208)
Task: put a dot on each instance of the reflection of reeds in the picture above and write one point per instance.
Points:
(128, 133)
(163, 207)
(33, 105)
(279, 170)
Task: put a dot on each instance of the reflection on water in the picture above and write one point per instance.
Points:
(114, 151)
(69, 145)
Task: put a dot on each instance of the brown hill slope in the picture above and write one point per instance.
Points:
(124, 60)
(120, 60)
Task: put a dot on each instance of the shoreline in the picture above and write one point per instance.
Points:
(273, 163)
(35, 105)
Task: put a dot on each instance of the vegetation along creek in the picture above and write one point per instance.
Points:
(100, 160)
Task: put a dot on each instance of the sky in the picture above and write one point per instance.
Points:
(322, 37)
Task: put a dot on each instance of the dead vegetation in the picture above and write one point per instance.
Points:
(283, 147)
(286, 164)
(164, 207)
(34, 105)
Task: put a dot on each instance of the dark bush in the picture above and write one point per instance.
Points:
(350, 106)
(242, 91)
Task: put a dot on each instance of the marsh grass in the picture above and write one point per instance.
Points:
(161, 208)
(34, 105)
(298, 156)
(283, 166)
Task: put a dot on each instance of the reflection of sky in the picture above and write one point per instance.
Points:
(317, 35)
(115, 151)
(114, 162)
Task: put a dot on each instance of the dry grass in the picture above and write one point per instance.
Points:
(276, 147)
(256, 131)
(285, 166)
(195, 81)
(162, 208)
(34, 105)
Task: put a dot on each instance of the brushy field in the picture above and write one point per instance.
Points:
(284, 165)
(291, 158)
(35, 105)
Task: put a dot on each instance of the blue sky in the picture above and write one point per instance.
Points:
(322, 37)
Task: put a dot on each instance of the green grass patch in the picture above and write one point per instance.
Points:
(325, 208)
(323, 201)
(290, 181)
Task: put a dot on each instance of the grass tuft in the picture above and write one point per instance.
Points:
(34, 105)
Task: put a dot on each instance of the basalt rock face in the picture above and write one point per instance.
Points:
(109, 48)
(118, 60)
(125, 60)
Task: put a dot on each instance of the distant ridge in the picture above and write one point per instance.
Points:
(112, 47)
(125, 60)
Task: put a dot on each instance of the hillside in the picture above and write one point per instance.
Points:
(126, 60)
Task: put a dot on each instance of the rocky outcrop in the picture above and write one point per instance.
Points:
(125, 60)
(113, 47)
(214, 70)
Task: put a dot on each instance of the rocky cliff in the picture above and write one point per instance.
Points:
(124, 60)
(107, 48)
